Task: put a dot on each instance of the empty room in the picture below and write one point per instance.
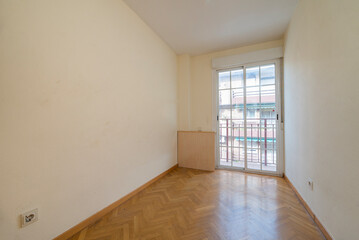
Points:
(179, 120)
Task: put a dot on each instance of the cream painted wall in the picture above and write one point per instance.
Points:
(87, 110)
(321, 111)
(183, 92)
(201, 86)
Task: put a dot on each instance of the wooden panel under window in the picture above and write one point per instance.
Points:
(196, 150)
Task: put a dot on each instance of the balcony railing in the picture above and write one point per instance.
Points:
(260, 138)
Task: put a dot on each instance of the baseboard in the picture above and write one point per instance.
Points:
(306, 206)
(72, 231)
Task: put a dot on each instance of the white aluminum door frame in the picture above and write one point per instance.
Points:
(279, 123)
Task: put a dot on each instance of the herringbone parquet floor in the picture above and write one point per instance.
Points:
(195, 205)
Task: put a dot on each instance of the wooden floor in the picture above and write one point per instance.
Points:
(190, 204)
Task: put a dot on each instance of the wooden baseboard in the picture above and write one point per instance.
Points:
(72, 231)
(306, 206)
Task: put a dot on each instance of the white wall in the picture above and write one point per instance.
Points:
(87, 110)
(321, 110)
(184, 92)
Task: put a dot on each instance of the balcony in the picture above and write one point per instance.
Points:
(259, 136)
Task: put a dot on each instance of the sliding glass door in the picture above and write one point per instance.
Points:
(248, 113)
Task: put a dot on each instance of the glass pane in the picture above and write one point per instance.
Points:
(267, 74)
(223, 153)
(238, 157)
(269, 162)
(237, 123)
(237, 113)
(225, 136)
(268, 145)
(253, 130)
(268, 113)
(224, 113)
(224, 98)
(238, 133)
(223, 123)
(237, 97)
(253, 144)
(252, 76)
(237, 78)
(253, 161)
(224, 80)
(268, 97)
(253, 102)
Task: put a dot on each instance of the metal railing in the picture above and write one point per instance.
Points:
(260, 138)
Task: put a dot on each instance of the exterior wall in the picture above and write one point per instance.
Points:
(321, 111)
(87, 110)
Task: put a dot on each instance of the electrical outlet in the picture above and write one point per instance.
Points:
(310, 183)
(29, 217)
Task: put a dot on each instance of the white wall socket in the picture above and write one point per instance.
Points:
(310, 183)
(29, 217)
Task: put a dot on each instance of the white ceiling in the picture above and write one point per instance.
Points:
(202, 26)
